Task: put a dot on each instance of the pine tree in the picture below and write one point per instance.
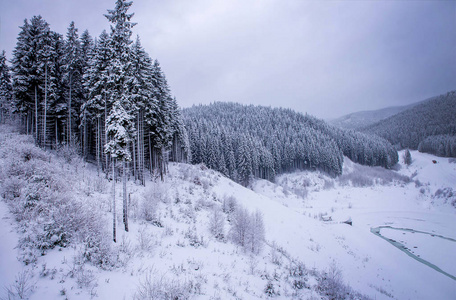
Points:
(98, 103)
(5, 89)
(160, 120)
(73, 69)
(26, 75)
(120, 123)
(142, 96)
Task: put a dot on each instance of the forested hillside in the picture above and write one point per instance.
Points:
(408, 129)
(243, 141)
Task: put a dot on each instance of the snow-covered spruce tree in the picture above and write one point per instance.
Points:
(98, 104)
(87, 48)
(159, 121)
(5, 89)
(143, 96)
(72, 72)
(120, 122)
(27, 72)
(407, 157)
(36, 77)
(180, 151)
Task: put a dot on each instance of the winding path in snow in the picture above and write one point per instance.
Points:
(376, 231)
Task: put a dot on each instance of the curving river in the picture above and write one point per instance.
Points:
(406, 250)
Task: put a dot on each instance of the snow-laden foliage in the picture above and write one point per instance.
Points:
(440, 145)
(331, 284)
(5, 89)
(409, 128)
(253, 141)
(45, 204)
(407, 157)
(64, 91)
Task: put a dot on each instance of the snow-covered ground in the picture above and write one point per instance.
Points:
(370, 264)
(175, 252)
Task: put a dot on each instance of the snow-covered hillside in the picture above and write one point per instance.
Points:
(181, 244)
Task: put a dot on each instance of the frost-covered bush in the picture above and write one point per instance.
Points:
(330, 284)
(149, 204)
(298, 275)
(217, 223)
(363, 176)
(22, 287)
(448, 194)
(270, 290)
(160, 287)
(157, 191)
(39, 193)
(229, 204)
(193, 239)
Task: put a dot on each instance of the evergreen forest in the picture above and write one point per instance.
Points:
(428, 127)
(254, 141)
(105, 97)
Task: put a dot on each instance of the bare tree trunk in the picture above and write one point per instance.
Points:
(36, 116)
(106, 133)
(135, 174)
(56, 134)
(125, 206)
(142, 155)
(150, 155)
(139, 146)
(85, 140)
(27, 120)
(69, 114)
(45, 107)
(113, 202)
(98, 145)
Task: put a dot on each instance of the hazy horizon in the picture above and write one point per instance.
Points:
(326, 58)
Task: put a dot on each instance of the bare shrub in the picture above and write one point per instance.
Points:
(229, 204)
(330, 284)
(22, 287)
(148, 206)
(217, 223)
(144, 239)
(159, 287)
(248, 230)
(365, 176)
(271, 290)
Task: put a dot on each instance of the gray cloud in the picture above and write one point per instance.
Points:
(326, 58)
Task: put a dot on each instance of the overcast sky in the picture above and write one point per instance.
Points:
(326, 58)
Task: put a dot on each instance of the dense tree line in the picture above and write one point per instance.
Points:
(440, 145)
(409, 128)
(254, 141)
(106, 96)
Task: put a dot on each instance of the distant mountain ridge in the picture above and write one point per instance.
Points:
(407, 129)
(365, 118)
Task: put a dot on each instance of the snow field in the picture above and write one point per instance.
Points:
(170, 251)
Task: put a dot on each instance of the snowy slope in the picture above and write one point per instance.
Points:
(370, 264)
(175, 251)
